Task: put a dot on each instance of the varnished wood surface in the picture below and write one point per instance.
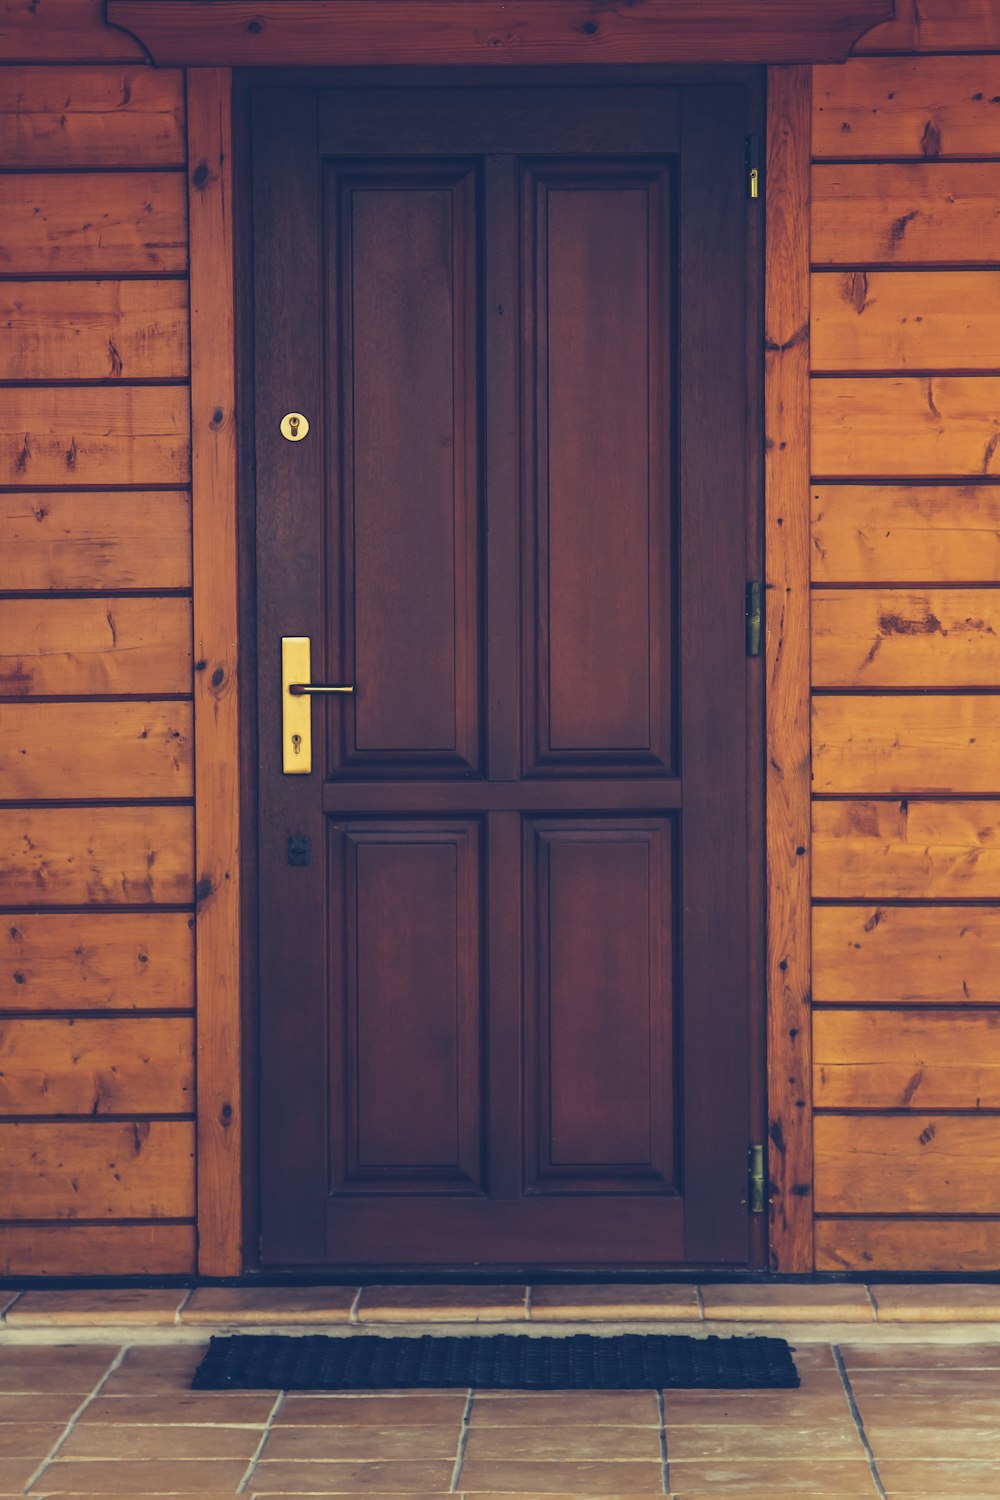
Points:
(906, 213)
(927, 955)
(907, 1244)
(62, 31)
(91, 116)
(97, 1249)
(915, 533)
(905, 320)
(96, 750)
(93, 330)
(79, 647)
(937, 26)
(871, 638)
(94, 435)
(934, 426)
(894, 107)
(109, 1066)
(910, 1163)
(908, 849)
(93, 539)
(140, 1169)
(104, 856)
(104, 224)
(906, 1059)
(907, 744)
(97, 961)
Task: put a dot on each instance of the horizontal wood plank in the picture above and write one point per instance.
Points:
(932, 426)
(115, 1065)
(919, 533)
(99, 961)
(62, 31)
(904, 213)
(907, 744)
(97, 1249)
(909, 1244)
(90, 539)
(906, 1059)
(926, 955)
(110, 224)
(897, 1164)
(879, 107)
(905, 320)
(95, 435)
(93, 330)
(937, 26)
(906, 638)
(96, 856)
(76, 647)
(908, 850)
(92, 117)
(53, 751)
(143, 1169)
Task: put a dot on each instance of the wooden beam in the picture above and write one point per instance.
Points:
(787, 546)
(245, 33)
(213, 424)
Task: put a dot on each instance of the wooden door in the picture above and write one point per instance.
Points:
(504, 1004)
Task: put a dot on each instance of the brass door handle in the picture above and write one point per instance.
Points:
(300, 689)
(296, 709)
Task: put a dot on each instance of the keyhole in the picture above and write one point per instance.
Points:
(293, 423)
(297, 744)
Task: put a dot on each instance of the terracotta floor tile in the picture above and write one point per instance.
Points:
(720, 1408)
(919, 1413)
(89, 1309)
(363, 1443)
(150, 1370)
(939, 1478)
(811, 1358)
(927, 1383)
(406, 1409)
(185, 1407)
(523, 1477)
(29, 1439)
(921, 1356)
(793, 1476)
(441, 1304)
(624, 1304)
(771, 1440)
(130, 1441)
(917, 1440)
(47, 1406)
(303, 1478)
(287, 1494)
(54, 1368)
(937, 1304)
(283, 1304)
(570, 1408)
(156, 1477)
(788, 1304)
(556, 1443)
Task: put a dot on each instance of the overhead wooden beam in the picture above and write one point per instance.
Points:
(323, 33)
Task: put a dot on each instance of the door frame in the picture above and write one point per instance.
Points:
(244, 82)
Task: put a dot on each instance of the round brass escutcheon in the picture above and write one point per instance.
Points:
(294, 426)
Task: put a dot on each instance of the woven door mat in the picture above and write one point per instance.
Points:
(360, 1362)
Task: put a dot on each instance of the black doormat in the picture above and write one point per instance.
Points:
(359, 1362)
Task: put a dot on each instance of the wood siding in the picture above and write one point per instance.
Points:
(905, 316)
(97, 995)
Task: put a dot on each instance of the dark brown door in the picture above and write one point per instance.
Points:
(504, 1004)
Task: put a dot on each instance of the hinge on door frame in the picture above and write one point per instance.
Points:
(755, 172)
(758, 1179)
(755, 618)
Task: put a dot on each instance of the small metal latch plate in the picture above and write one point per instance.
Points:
(758, 1182)
(298, 849)
(755, 618)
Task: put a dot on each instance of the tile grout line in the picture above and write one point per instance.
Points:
(463, 1438)
(8, 1305)
(701, 1304)
(838, 1360)
(874, 1304)
(57, 1446)
(251, 1468)
(183, 1304)
(527, 1304)
(353, 1315)
(664, 1459)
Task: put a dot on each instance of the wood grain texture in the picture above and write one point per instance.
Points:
(937, 26)
(108, 224)
(113, 1065)
(97, 961)
(343, 32)
(97, 1249)
(908, 850)
(890, 107)
(935, 426)
(906, 213)
(907, 744)
(62, 31)
(140, 1170)
(927, 955)
(78, 647)
(95, 540)
(906, 638)
(49, 751)
(786, 416)
(91, 117)
(905, 320)
(896, 1164)
(918, 533)
(96, 856)
(906, 1059)
(216, 704)
(907, 1244)
(93, 330)
(95, 435)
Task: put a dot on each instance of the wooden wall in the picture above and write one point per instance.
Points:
(97, 861)
(905, 337)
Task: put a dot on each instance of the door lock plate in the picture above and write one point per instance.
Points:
(296, 710)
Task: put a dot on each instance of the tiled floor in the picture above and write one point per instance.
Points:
(898, 1420)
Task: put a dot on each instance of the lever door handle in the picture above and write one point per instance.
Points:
(300, 689)
(296, 709)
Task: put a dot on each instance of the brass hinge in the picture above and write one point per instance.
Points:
(755, 618)
(758, 1181)
(755, 172)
